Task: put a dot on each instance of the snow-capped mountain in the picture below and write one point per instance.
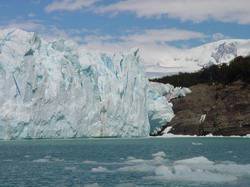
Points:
(58, 90)
(190, 60)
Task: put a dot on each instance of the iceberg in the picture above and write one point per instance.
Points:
(56, 89)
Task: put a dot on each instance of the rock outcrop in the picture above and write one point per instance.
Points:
(213, 109)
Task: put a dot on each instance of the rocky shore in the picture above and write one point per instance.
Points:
(213, 109)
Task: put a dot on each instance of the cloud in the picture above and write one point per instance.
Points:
(185, 10)
(153, 43)
(163, 35)
(69, 5)
(31, 15)
(219, 36)
(148, 36)
(48, 32)
(28, 25)
(151, 53)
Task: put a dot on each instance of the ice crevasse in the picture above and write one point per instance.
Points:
(56, 89)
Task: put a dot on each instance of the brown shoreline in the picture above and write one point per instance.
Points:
(227, 110)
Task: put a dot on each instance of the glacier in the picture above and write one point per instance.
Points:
(56, 89)
(159, 103)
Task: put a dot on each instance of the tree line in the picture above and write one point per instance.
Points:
(237, 69)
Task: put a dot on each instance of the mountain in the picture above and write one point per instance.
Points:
(57, 89)
(194, 59)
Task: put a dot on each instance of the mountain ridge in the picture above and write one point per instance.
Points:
(194, 59)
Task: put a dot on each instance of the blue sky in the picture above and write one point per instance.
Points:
(109, 25)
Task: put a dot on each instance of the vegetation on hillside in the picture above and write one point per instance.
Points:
(238, 69)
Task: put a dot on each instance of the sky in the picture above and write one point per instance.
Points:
(155, 26)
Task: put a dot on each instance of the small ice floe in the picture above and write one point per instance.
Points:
(48, 158)
(41, 160)
(57, 159)
(99, 169)
(89, 162)
(196, 143)
(131, 160)
(159, 154)
(247, 136)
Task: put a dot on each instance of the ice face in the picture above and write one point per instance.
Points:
(54, 90)
(58, 90)
(159, 103)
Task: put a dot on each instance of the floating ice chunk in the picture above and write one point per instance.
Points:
(143, 167)
(196, 160)
(196, 143)
(41, 160)
(159, 154)
(89, 162)
(188, 174)
(99, 169)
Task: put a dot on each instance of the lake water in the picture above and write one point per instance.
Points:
(171, 162)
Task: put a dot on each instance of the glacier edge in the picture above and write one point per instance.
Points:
(56, 90)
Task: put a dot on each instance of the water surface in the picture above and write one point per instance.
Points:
(171, 162)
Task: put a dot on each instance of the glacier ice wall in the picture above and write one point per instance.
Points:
(159, 103)
(58, 90)
(55, 90)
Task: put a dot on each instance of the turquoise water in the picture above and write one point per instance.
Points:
(171, 162)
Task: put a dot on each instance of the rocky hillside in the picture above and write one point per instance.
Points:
(216, 109)
(219, 103)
